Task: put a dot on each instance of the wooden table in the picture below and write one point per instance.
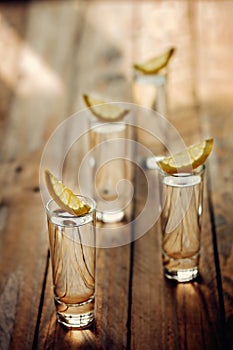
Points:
(51, 53)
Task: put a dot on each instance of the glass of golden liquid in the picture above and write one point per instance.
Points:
(110, 159)
(182, 196)
(73, 253)
(110, 169)
(149, 88)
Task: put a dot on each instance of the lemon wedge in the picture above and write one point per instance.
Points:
(104, 111)
(193, 157)
(64, 197)
(155, 64)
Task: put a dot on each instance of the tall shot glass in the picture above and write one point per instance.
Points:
(73, 253)
(151, 91)
(182, 196)
(111, 169)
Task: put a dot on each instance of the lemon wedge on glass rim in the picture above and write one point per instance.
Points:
(104, 111)
(155, 64)
(64, 197)
(191, 158)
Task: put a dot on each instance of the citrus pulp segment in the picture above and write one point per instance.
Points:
(64, 197)
(155, 64)
(191, 158)
(104, 111)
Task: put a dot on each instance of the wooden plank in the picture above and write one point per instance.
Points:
(40, 101)
(98, 65)
(170, 315)
(167, 315)
(112, 297)
(221, 191)
(216, 114)
(23, 252)
(41, 104)
(20, 205)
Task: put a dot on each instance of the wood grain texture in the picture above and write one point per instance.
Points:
(221, 192)
(112, 297)
(170, 315)
(192, 310)
(215, 92)
(51, 53)
(20, 200)
(23, 246)
(100, 72)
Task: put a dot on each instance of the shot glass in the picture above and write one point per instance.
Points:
(111, 169)
(73, 253)
(182, 206)
(150, 90)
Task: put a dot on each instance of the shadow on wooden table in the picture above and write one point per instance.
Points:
(87, 339)
(65, 338)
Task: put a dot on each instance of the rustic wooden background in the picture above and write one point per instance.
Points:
(51, 52)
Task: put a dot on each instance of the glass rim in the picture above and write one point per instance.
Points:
(67, 215)
(197, 171)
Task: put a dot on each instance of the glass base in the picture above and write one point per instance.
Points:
(182, 275)
(110, 217)
(76, 321)
(77, 316)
